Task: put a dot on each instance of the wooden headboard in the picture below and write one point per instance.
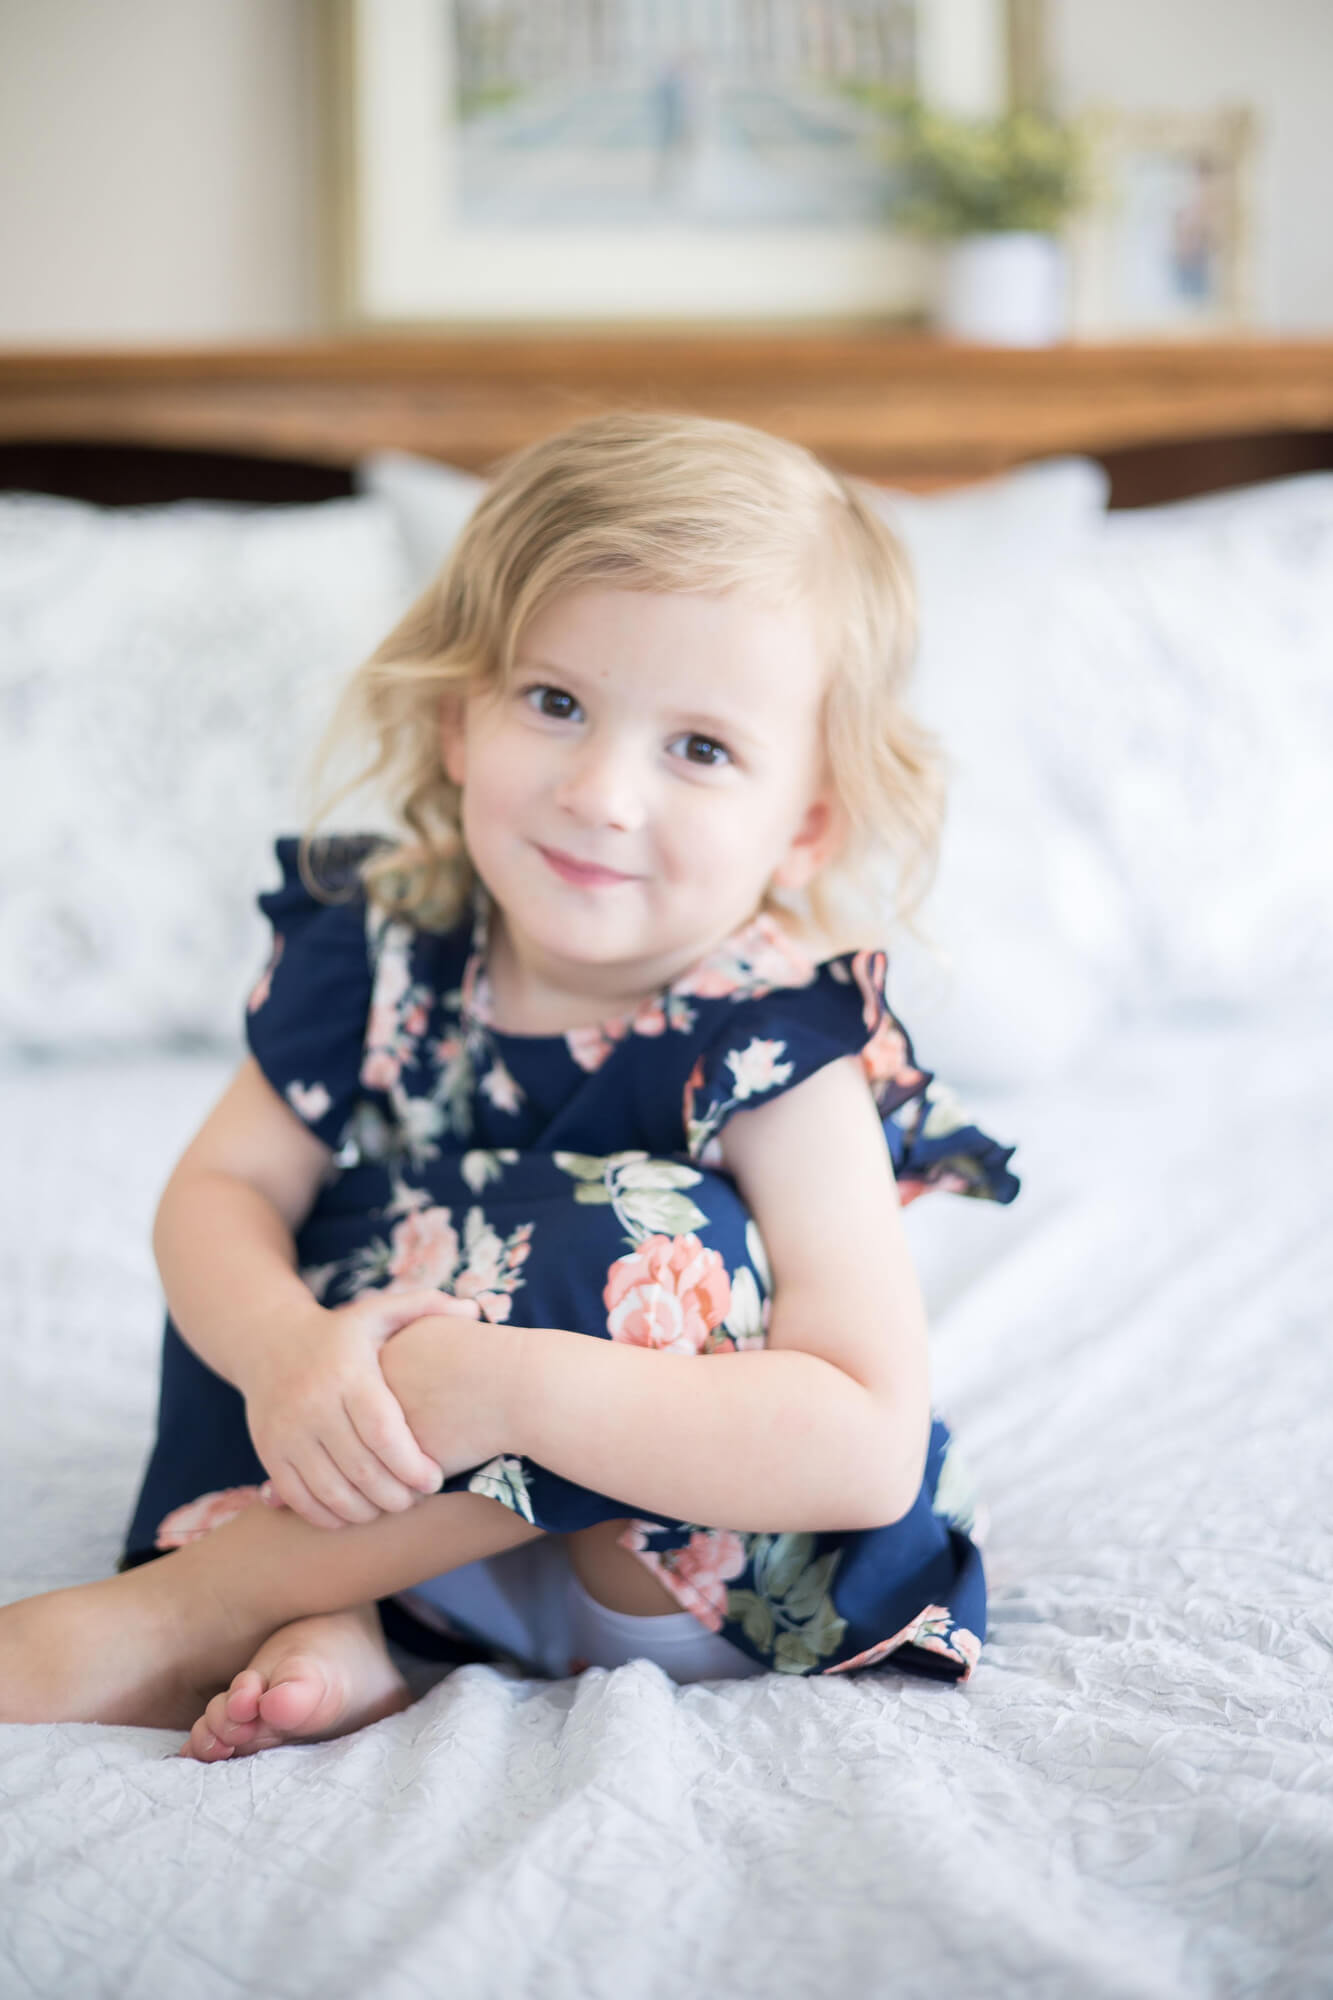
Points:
(287, 423)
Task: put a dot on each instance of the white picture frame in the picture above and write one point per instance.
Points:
(1167, 250)
(410, 254)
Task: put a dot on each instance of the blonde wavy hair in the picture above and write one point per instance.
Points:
(646, 500)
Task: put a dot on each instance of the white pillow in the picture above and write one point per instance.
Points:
(430, 504)
(164, 673)
(1186, 659)
(1033, 941)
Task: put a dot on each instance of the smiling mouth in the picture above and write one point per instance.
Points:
(585, 873)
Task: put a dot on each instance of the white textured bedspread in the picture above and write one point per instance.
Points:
(1132, 1797)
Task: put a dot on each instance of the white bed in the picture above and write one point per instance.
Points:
(1133, 1796)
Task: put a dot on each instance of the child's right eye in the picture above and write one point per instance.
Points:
(552, 701)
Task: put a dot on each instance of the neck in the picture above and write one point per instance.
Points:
(533, 992)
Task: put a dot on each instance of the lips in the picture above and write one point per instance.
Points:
(586, 874)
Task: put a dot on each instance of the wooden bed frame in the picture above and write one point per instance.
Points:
(287, 423)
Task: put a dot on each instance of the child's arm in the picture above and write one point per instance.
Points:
(825, 1428)
(327, 1428)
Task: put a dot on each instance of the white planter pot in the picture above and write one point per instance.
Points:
(1008, 289)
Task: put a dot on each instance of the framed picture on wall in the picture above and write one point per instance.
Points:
(658, 161)
(1168, 249)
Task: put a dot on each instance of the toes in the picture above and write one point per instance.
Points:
(292, 1701)
(232, 1732)
(241, 1702)
(204, 1746)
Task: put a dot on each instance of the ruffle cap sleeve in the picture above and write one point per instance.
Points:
(770, 1043)
(305, 1020)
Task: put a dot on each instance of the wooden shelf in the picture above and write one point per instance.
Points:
(916, 411)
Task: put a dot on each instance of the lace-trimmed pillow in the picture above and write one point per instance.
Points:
(164, 673)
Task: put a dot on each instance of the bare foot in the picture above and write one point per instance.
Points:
(312, 1680)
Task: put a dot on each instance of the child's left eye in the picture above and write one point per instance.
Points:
(704, 750)
(555, 702)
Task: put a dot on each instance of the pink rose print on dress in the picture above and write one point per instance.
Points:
(493, 1263)
(960, 1640)
(934, 1631)
(382, 1063)
(259, 992)
(945, 1180)
(379, 1071)
(423, 1249)
(399, 1013)
(649, 1018)
(884, 1058)
(698, 1574)
(868, 970)
(590, 1047)
(754, 962)
(199, 1517)
(669, 1293)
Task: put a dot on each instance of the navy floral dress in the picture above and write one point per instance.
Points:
(575, 1180)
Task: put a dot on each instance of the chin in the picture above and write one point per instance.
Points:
(574, 934)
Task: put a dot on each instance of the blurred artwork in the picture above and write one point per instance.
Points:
(657, 162)
(696, 113)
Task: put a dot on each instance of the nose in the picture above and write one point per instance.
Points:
(602, 786)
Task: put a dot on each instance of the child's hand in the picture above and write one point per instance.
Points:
(331, 1434)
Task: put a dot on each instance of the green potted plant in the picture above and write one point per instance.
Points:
(995, 193)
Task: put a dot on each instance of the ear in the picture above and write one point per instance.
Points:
(815, 842)
(452, 737)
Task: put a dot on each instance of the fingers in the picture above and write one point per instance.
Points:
(387, 1312)
(365, 1469)
(344, 1470)
(377, 1419)
(341, 1483)
(331, 1485)
(445, 1302)
(293, 1489)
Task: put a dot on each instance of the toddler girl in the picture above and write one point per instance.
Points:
(574, 1055)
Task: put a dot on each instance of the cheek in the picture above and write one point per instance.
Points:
(501, 777)
(730, 829)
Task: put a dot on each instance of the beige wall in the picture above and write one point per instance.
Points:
(160, 159)
(158, 170)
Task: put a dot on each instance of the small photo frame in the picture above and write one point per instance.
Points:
(1167, 249)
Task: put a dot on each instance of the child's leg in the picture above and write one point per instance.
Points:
(152, 1645)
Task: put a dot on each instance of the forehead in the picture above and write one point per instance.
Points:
(727, 650)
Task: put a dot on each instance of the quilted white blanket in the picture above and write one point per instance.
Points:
(1132, 1797)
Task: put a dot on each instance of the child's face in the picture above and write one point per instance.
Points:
(653, 766)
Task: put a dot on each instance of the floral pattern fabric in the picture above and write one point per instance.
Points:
(574, 1180)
